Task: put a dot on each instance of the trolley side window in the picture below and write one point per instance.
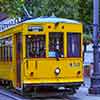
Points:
(73, 45)
(35, 46)
(56, 47)
(6, 49)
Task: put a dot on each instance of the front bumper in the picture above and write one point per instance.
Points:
(70, 84)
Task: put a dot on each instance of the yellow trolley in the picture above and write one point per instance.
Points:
(42, 52)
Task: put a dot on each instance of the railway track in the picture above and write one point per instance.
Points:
(11, 95)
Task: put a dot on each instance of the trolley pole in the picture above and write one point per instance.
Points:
(95, 79)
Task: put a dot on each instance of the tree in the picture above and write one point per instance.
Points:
(86, 16)
(75, 9)
(61, 8)
(12, 7)
(86, 11)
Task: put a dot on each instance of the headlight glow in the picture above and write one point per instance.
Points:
(57, 71)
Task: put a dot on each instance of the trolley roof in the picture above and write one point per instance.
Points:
(52, 20)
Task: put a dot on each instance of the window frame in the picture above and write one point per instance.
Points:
(4, 49)
(44, 35)
(55, 44)
(79, 36)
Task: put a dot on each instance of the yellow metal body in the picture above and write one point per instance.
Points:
(42, 68)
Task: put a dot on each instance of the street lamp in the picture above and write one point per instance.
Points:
(95, 79)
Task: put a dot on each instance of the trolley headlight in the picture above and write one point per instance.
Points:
(57, 71)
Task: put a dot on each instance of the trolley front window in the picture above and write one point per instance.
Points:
(35, 46)
(73, 45)
(56, 47)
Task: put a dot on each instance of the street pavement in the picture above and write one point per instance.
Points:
(82, 93)
(2, 97)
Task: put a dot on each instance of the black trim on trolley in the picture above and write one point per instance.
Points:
(54, 84)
